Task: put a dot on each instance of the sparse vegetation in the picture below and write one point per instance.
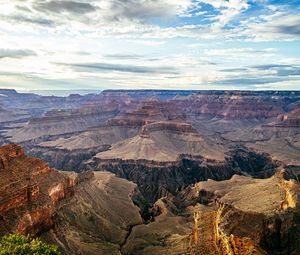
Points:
(16, 244)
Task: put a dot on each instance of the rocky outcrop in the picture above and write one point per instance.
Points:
(173, 126)
(247, 216)
(38, 200)
(289, 120)
(264, 233)
(98, 218)
(30, 191)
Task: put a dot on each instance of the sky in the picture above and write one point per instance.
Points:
(150, 44)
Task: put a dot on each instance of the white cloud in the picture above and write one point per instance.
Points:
(240, 52)
(279, 26)
(228, 9)
(148, 42)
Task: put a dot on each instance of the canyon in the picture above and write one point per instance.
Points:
(153, 171)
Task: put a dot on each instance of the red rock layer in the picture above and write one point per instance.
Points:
(231, 107)
(180, 127)
(291, 119)
(29, 191)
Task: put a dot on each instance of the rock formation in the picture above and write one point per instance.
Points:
(158, 172)
(156, 179)
(97, 213)
(250, 216)
(29, 192)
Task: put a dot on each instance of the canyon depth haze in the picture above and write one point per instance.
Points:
(145, 127)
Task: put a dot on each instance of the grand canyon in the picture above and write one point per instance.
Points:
(153, 171)
(149, 127)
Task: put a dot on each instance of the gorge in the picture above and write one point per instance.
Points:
(153, 171)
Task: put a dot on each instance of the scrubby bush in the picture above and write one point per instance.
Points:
(16, 244)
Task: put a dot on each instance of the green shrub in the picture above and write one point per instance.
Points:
(16, 244)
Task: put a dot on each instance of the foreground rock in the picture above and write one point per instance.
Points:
(30, 192)
(83, 213)
(249, 216)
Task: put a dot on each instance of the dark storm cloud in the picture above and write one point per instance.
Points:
(96, 67)
(8, 53)
(57, 6)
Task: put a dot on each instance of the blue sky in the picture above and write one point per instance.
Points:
(159, 44)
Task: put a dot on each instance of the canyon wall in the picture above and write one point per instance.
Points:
(30, 191)
(156, 179)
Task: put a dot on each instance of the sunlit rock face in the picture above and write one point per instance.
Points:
(30, 191)
(245, 216)
(38, 200)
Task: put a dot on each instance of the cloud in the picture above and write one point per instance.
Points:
(281, 26)
(233, 70)
(123, 56)
(148, 42)
(13, 53)
(33, 20)
(153, 19)
(281, 70)
(228, 10)
(237, 52)
(289, 29)
(145, 10)
(107, 67)
(266, 75)
(270, 66)
(249, 81)
(58, 6)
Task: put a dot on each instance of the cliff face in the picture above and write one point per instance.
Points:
(83, 213)
(30, 191)
(247, 216)
(57, 125)
(64, 159)
(232, 106)
(98, 218)
(289, 120)
(155, 179)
